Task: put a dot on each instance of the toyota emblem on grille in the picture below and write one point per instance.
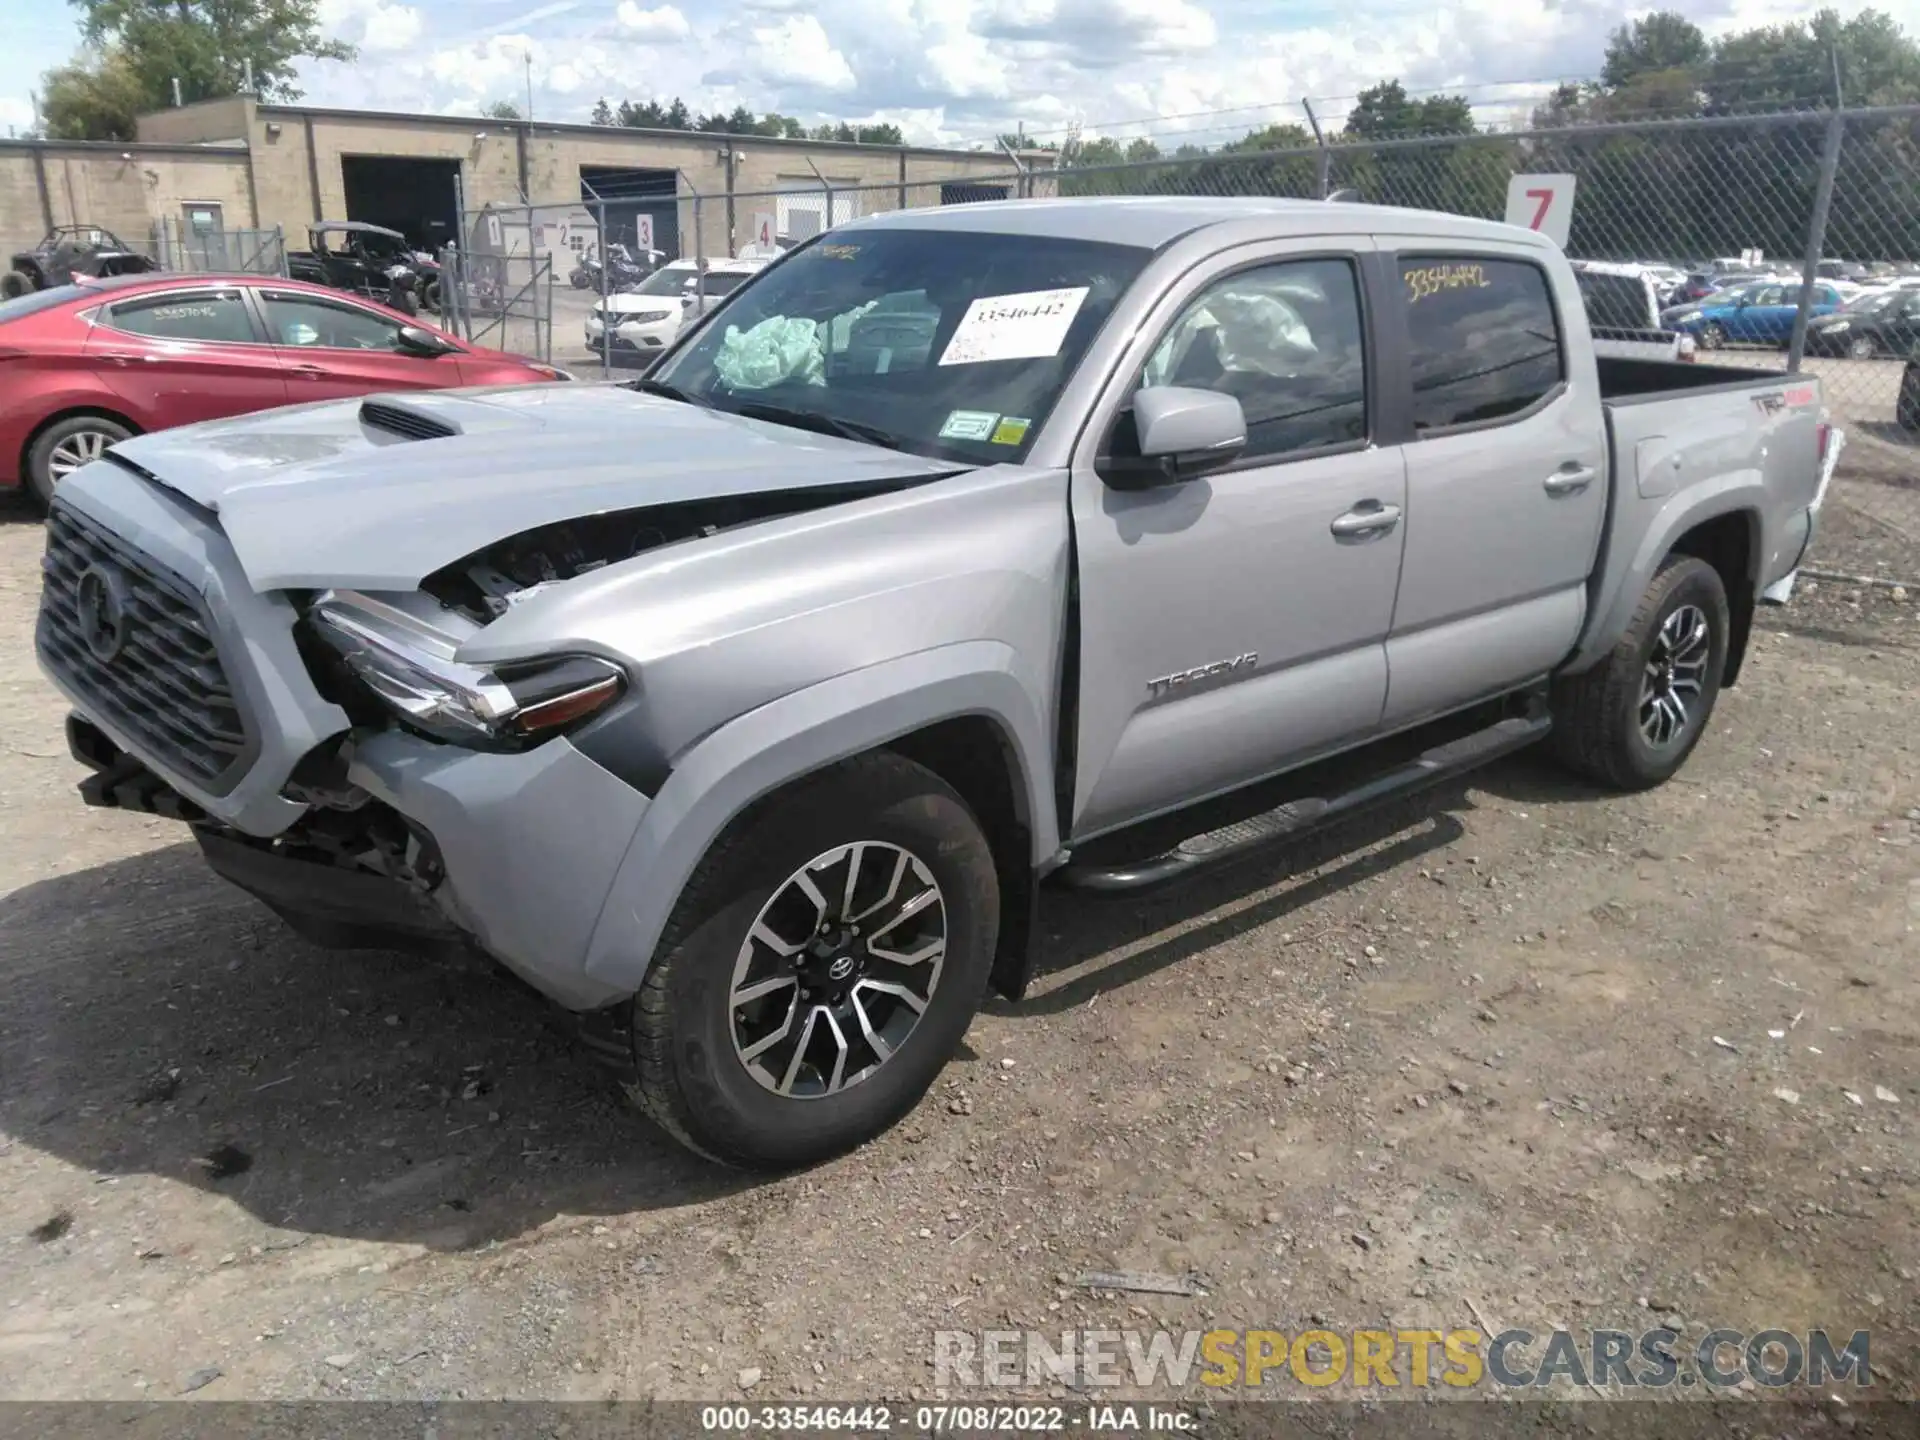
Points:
(100, 603)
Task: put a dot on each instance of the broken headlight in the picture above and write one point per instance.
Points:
(412, 669)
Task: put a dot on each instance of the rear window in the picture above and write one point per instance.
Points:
(1616, 302)
(721, 282)
(25, 305)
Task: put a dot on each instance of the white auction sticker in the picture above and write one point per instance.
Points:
(969, 425)
(1014, 327)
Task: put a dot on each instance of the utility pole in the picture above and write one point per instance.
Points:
(527, 55)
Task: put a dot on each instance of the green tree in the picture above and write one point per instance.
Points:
(1662, 41)
(602, 112)
(207, 45)
(502, 110)
(97, 96)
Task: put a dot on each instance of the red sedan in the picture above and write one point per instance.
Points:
(84, 365)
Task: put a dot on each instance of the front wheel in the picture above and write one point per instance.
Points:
(16, 283)
(820, 968)
(1631, 721)
(1863, 347)
(1713, 337)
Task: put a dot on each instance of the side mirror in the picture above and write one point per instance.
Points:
(422, 343)
(1182, 433)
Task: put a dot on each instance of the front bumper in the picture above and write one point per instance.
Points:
(524, 847)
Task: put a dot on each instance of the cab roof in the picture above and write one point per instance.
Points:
(1151, 221)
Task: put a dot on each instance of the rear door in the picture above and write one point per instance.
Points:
(1506, 473)
(1233, 624)
(333, 349)
(181, 356)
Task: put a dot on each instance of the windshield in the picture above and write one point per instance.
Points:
(952, 343)
(1871, 302)
(665, 281)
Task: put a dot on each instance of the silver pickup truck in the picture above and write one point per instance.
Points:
(743, 709)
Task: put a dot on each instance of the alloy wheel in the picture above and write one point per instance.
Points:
(1675, 676)
(837, 969)
(83, 447)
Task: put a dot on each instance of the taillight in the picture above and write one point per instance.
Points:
(1825, 433)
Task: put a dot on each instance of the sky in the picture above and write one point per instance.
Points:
(947, 72)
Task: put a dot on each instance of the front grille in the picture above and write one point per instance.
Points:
(396, 421)
(142, 654)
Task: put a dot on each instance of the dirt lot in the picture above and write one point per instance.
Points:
(1517, 1053)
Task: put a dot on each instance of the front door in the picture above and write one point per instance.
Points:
(1506, 475)
(333, 348)
(1233, 624)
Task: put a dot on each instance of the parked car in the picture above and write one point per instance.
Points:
(1623, 312)
(743, 709)
(1879, 322)
(1758, 314)
(368, 260)
(67, 251)
(645, 319)
(85, 366)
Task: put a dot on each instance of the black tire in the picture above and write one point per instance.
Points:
(688, 1075)
(1713, 337)
(43, 455)
(1598, 715)
(430, 296)
(16, 283)
(1907, 407)
(1864, 347)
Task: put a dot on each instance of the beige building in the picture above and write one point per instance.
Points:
(240, 165)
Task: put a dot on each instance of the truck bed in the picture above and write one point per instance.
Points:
(1632, 380)
(1689, 439)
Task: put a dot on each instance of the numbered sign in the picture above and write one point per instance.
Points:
(1543, 203)
(763, 230)
(643, 231)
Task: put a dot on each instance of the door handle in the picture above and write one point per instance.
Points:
(306, 372)
(1369, 517)
(1570, 479)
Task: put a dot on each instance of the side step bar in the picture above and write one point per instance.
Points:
(1298, 817)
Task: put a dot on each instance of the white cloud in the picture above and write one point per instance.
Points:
(662, 25)
(961, 71)
(374, 26)
(796, 51)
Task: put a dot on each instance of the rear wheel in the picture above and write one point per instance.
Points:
(16, 283)
(1863, 347)
(1631, 721)
(66, 445)
(1713, 337)
(820, 969)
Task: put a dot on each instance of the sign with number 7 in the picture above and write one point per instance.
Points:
(1543, 203)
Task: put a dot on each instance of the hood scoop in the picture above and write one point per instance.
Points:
(391, 417)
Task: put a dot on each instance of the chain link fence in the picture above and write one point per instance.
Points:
(1819, 209)
(218, 251)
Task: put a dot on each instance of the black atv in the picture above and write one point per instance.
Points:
(70, 250)
(368, 260)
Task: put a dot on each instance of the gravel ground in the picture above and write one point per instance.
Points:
(1504, 1054)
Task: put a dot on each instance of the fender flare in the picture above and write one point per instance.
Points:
(756, 754)
(1612, 608)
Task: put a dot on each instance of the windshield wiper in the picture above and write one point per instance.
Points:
(820, 424)
(664, 390)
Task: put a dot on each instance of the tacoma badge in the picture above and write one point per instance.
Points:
(1168, 683)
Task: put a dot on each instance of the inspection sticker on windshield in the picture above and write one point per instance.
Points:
(969, 425)
(1031, 326)
(1011, 430)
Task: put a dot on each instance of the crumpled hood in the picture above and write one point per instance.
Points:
(312, 496)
